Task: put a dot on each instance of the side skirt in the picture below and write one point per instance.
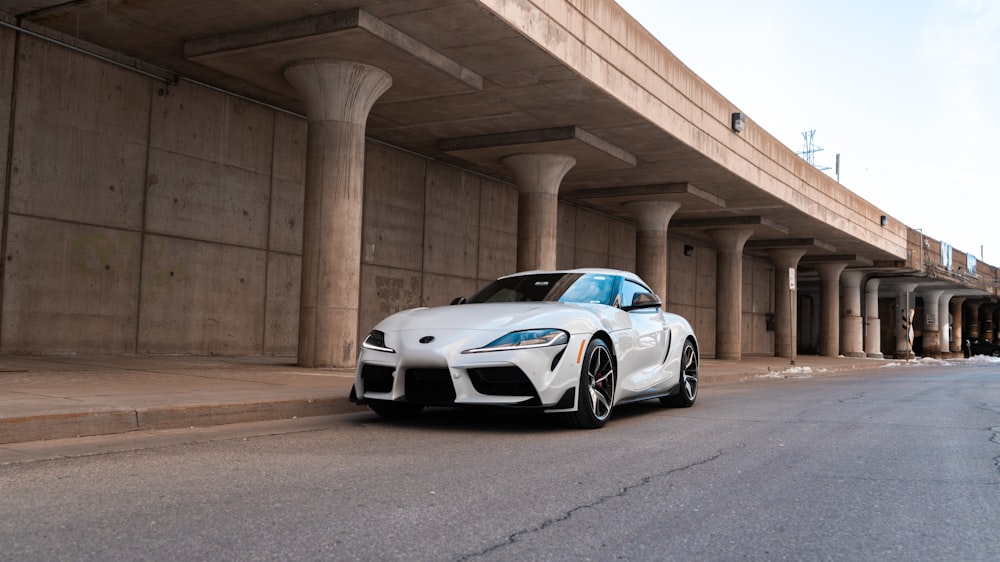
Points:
(639, 398)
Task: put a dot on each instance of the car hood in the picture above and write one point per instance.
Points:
(504, 317)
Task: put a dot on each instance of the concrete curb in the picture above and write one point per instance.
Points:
(108, 421)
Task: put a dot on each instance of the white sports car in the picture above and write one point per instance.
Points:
(574, 342)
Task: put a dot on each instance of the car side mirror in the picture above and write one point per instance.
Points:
(459, 300)
(643, 300)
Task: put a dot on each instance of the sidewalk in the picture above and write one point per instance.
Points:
(60, 396)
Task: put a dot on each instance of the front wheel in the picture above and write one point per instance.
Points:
(596, 393)
(688, 390)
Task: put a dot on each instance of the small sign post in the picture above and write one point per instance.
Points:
(791, 313)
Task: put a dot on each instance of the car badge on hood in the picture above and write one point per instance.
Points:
(427, 339)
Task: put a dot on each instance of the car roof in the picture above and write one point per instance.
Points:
(584, 270)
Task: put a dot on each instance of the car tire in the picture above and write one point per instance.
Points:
(596, 391)
(687, 389)
(995, 353)
(395, 410)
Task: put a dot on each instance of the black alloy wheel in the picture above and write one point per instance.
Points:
(688, 384)
(597, 388)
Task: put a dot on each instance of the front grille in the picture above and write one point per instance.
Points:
(502, 381)
(377, 378)
(429, 386)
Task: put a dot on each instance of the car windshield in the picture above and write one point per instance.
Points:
(589, 288)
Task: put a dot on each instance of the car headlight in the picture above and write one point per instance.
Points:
(524, 339)
(376, 341)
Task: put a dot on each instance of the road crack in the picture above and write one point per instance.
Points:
(645, 481)
(995, 439)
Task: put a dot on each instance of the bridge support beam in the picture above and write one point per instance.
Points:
(729, 291)
(338, 97)
(538, 178)
(873, 324)
(851, 322)
(652, 257)
(785, 311)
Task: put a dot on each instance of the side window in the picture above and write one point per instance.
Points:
(593, 289)
(629, 290)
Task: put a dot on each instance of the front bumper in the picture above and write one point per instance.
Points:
(544, 378)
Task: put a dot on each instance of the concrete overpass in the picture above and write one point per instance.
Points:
(351, 158)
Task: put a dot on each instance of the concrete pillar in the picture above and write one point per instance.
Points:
(829, 308)
(904, 302)
(651, 256)
(538, 177)
(873, 325)
(338, 96)
(975, 310)
(944, 321)
(785, 313)
(957, 318)
(931, 335)
(986, 327)
(851, 323)
(729, 291)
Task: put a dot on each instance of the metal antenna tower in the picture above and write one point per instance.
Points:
(809, 149)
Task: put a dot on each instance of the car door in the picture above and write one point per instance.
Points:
(644, 366)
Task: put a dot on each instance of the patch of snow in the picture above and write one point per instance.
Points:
(789, 373)
(986, 359)
(925, 361)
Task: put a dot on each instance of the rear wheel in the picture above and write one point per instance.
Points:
(395, 410)
(688, 390)
(596, 391)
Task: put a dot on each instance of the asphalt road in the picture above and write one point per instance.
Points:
(893, 464)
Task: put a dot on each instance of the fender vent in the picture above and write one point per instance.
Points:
(502, 381)
(377, 378)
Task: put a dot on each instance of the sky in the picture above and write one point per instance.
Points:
(907, 92)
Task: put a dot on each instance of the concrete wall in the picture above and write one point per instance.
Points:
(141, 217)
(75, 203)
(7, 57)
(691, 289)
(145, 218)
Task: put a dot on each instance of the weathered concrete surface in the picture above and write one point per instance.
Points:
(69, 287)
(730, 302)
(785, 259)
(71, 273)
(287, 190)
(338, 96)
(79, 147)
(652, 253)
(200, 297)
(758, 305)
(394, 208)
(851, 322)
(281, 315)
(829, 308)
(691, 290)
(538, 177)
(497, 232)
(7, 41)
(451, 227)
(621, 245)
